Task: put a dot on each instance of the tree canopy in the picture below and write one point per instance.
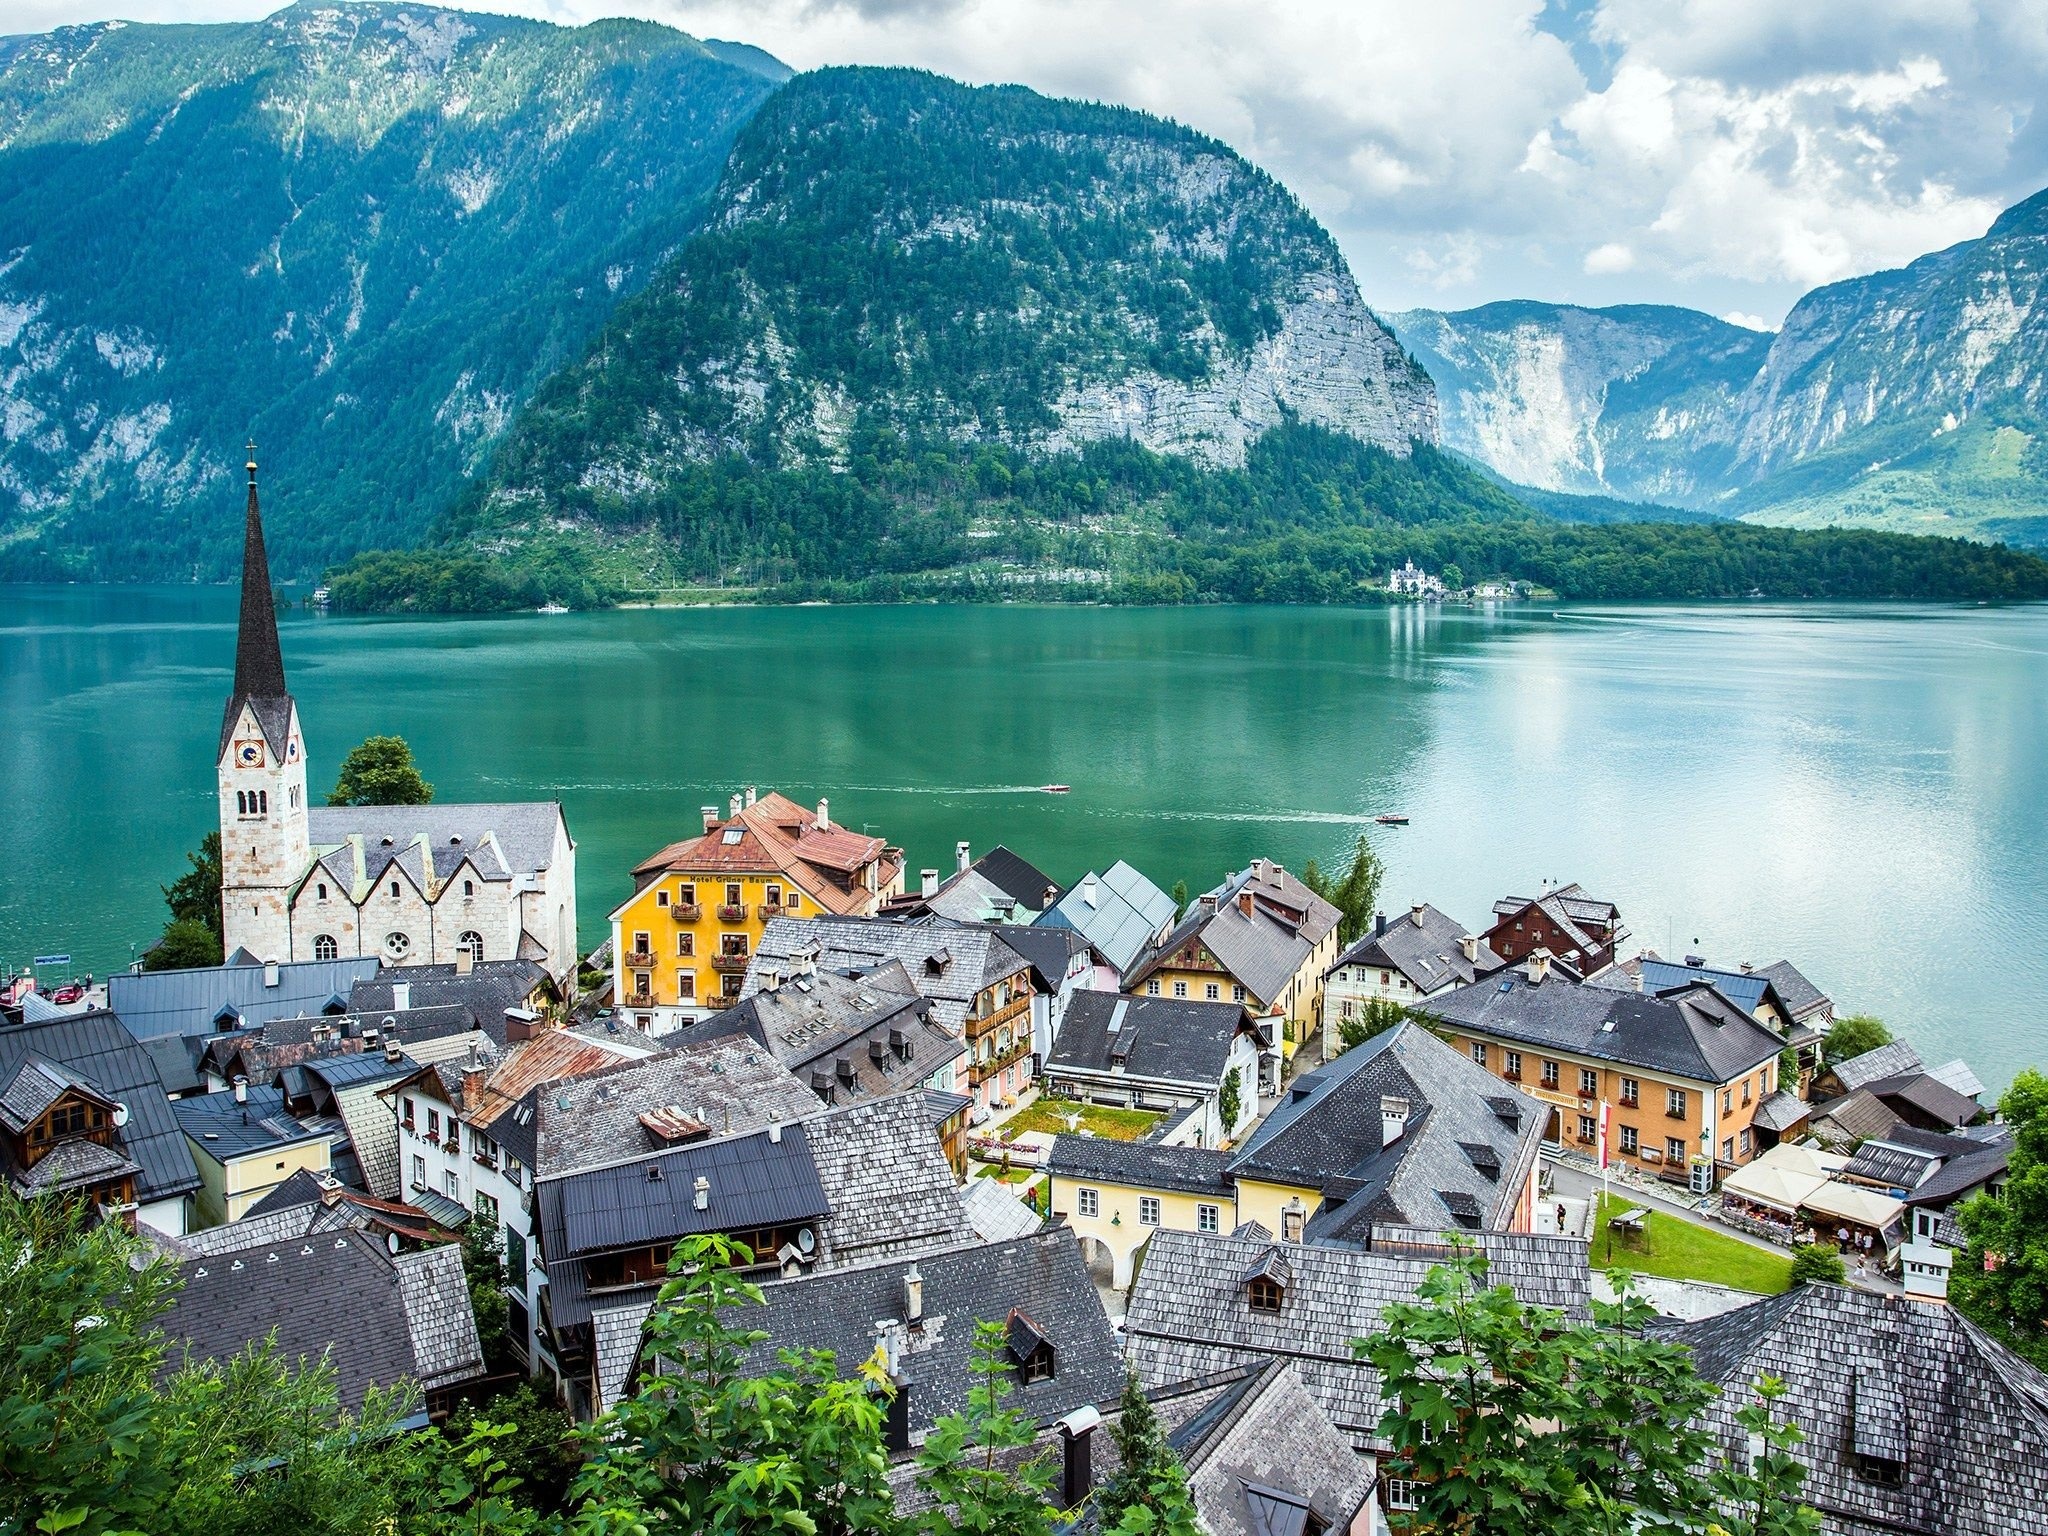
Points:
(380, 772)
(192, 937)
(1855, 1036)
(2001, 1278)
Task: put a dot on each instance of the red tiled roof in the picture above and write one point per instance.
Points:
(780, 837)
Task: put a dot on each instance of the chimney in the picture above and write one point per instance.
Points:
(241, 1089)
(1208, 901)
(1088, 890)
(1470, 944)
(928, 882)
(700, 1193)
(392, 1050)
(1416, 913)
(370, 1038)
(1747, 968)
(710, 816)
(463, 959)
(1077, 1438)
(1538, 968)
(1293, 1218)
(733, 804)
(1052, 894)
(519, 1024)
(960, 860)
(775, 1128)
(913, 1297)
(270, 973)
(1393, 1119)
(751, 795)
(319, 1033)
(401, 996)
(1244, 902)
(1379, 924)
(824, 814)
(846, 1072)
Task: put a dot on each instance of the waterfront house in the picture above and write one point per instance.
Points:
(1582, 931)
(1913, 1420)
(998, 887)
(682, 941)
(1063, 964)
(978, 986)
(1161, 1053)
(1121, 913)
(1415, 956)
(1682, 1072)
(1261, 939)
(1401, 1129)
(84, 1116)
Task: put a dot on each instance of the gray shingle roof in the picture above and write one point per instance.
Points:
(156, 1003)
(486, 992)
(1928, 1096)
(1327, 1134)
(946, 962)
(888, 1183)
(1696, 1034)
(1262, 949)
(72, 1165)
(1962, 1175)
(1128, 912)
(339, 1294)
(875, 1031)
(994, 1213)
(1161, 1039)
(1781, 1111)
(1190, 1170)
(98, 1050)
(595, 1119)
(1266, 1442)
(1885, 1061)
(1188, 1314)
(1798, 994)
(522, 831)
(1962, 1420)
(1041, 1276)
(1430, 953)
(1049, 948)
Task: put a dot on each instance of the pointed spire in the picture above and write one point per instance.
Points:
(259, 663)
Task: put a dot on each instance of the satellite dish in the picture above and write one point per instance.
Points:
(120, 1116)
(807, 1240)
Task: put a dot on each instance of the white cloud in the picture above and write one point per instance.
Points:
(1724, 153)
(1748, 322)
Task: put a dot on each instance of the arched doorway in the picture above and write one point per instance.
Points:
(1100, 1261)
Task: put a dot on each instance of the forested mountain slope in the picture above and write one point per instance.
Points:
(361, 232)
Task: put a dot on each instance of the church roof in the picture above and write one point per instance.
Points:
(259, 661)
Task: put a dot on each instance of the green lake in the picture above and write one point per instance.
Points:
(1861, 789)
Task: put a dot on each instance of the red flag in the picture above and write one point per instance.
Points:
(1605, 1113)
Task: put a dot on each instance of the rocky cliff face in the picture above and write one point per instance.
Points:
(897, 256)
(1638, 401)
(1910, 400)
(359, 232)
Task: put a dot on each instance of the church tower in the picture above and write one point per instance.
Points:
(264, 847)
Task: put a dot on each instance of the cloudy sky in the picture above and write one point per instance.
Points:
(1725, 154)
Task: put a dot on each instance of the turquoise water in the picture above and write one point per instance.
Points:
(1860, 789)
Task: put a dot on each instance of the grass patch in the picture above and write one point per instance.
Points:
(995, 1171)
(1050, 1116)
(1684, 1250)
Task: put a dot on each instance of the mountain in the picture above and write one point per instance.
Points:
(360, 233)
(1635, 402)
(893, 260)
(1909, 400)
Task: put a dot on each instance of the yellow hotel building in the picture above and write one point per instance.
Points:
(682, 941)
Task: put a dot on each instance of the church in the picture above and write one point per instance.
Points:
(406, 884)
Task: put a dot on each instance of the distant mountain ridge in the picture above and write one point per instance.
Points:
(1909, 400)
(362, 232)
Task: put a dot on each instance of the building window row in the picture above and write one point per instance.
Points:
(252, 802)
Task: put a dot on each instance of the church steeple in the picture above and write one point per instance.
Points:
(259, 664)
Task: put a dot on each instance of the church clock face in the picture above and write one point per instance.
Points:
(249, 754)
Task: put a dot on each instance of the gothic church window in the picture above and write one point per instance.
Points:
(397, 945)
(471, 944)
(324, 947)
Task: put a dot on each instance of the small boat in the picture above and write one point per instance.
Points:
(1391, 820)
(1053, 789)
(551, 608)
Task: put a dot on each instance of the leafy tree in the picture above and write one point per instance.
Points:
(1788, 1069)
(1230, 1100)
(195, 895)
(1762, 1498)
(539, 1444)
(380, 772)
(1453, 579)
(1355, 893)
(1380, 1015)
(2001, 1278)
(1855, 1036)
(965, 1468)
(1180, 899)
(1142, 1454)
(483, 1266)
(1813, 1261)
(1516, 1422)
(185, 943)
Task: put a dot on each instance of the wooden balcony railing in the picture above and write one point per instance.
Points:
(729, 913)
(730, 965)
(685, 911)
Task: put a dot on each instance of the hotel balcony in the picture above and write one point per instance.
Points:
(728, 913)
(685, 911)
(730, 965)
(769, 912)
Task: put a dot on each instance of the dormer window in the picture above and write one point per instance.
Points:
(1266, 1280)
(1031, 1350)
(1264, 1295)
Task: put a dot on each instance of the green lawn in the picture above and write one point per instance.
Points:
(1014, 1176)
(1050, 1115)
(1684, 1250)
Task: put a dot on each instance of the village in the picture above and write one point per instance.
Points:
(1202, 1142)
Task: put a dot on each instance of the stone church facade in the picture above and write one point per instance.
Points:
(409, 884)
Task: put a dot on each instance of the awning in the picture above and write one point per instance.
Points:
(1846, 1202)
(1781, 1179)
